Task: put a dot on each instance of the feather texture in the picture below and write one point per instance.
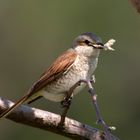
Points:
(60, 65)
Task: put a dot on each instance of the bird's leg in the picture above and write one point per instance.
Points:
(66, 104)
(67, 101)
(97, 110)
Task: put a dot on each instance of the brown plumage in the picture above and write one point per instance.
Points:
(59, 66)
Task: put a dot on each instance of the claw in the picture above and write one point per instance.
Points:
(66, 102)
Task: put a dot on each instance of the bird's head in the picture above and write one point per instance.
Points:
(88, 44)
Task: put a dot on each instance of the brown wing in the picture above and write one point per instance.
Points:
(60, 65)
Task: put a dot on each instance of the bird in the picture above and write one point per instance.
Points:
(77, 63)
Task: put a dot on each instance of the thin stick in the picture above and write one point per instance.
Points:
(97, 110)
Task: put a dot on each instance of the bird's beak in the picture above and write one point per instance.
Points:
(98, 45)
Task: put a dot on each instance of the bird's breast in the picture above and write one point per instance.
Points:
(82, 68)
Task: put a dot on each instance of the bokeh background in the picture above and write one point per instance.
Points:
(33, 33)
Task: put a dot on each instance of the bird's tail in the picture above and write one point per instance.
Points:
(9, 110)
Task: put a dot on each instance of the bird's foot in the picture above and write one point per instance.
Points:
(66, 102)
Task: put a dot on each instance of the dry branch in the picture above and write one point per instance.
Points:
(49, 121)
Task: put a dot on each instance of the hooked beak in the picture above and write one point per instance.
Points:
(98, 45)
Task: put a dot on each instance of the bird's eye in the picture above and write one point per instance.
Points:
(87, 42)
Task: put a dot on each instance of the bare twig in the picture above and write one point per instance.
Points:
(97, 110)
(49, 121)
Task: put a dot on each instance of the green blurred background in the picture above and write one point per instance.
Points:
(33, 33)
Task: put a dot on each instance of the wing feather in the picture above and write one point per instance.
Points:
(60, 65)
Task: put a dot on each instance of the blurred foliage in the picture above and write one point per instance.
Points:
(33, 33)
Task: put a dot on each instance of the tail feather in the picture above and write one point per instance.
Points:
(9, 110)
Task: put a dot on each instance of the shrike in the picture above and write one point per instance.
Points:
(78, 62)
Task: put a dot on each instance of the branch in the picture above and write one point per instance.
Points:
(49, 121)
